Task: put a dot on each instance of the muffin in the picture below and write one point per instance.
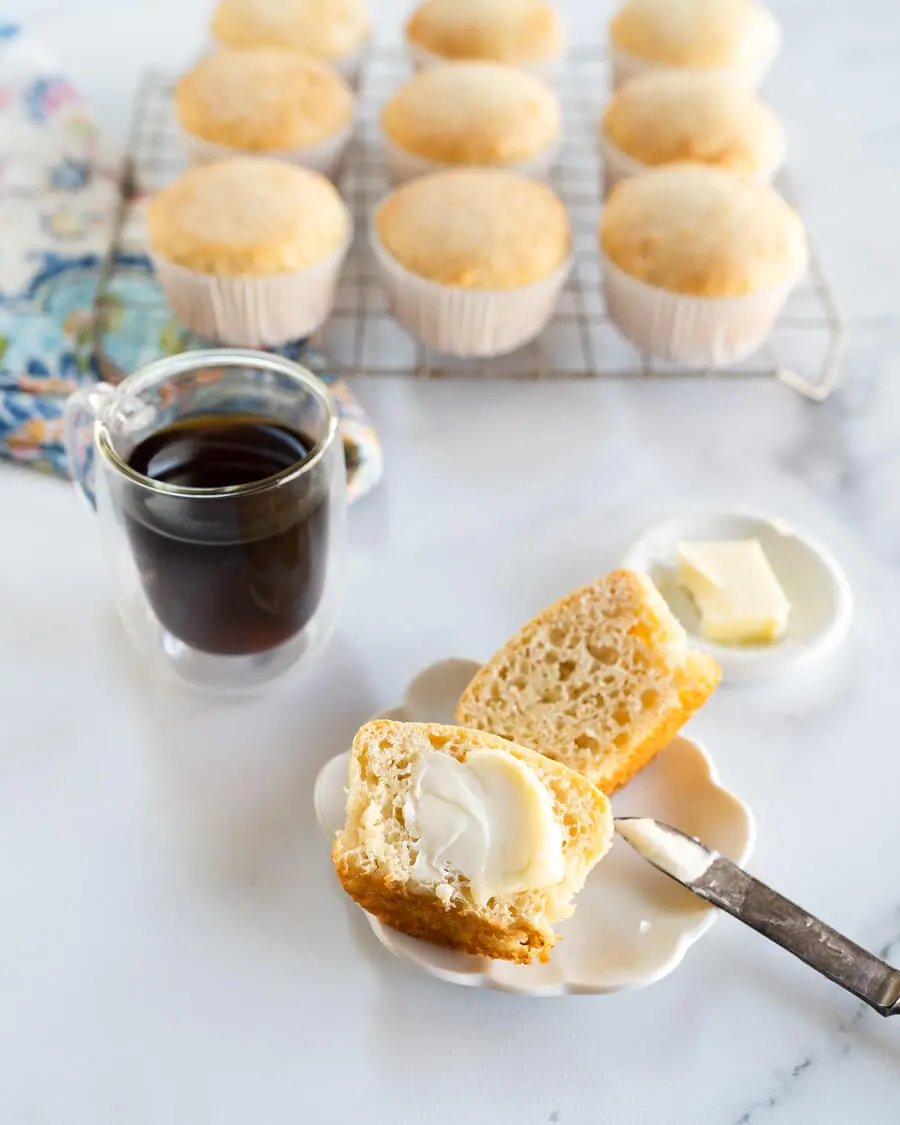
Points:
(668, 116)
(472, 260)
(248, 251)
(265, 101)
(336, 31)
(471, 113)
(698, 262)
(524, 33)
(738, 39)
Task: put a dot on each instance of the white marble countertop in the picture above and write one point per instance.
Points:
(173, 946)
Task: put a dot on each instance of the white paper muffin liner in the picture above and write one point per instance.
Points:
(403, 166)
(250, 311)
(326, 157)
(618, 165)
(750, 74)
(705, 331)
(467, 322)
(548, 69)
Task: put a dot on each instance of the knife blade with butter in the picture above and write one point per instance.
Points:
(723, 884)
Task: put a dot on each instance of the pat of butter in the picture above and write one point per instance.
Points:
(735, 590)
(488, 818)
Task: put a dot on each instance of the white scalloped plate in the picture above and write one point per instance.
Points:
(632, 925)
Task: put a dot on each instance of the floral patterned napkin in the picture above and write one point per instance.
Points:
(58, 198)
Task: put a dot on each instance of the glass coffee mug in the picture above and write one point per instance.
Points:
(218, 478)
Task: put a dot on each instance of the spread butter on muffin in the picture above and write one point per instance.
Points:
(472, 260)
(737, 38)
(698, 262)
(471, 113)
(268, 101)
(525, 33)
(334, 30)
(248, 251)
(669, 116)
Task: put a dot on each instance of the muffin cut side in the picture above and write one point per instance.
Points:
(601, 681)
(375, 852)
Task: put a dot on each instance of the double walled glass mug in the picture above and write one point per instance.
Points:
(219, 482)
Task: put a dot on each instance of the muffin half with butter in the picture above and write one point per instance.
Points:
(698, 262)
(265, 101)
(736, 39)
(471, 114)
(493, 893)
(523, 33)
(472, 260)
(670, 116)
(249, 251)
(337, 32)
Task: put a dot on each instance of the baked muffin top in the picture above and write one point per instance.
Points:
(702, 231)
(264, 99)
(247, 216)
(512, 31)
(672, 115)
(329, 29)
(476, 228)
(701, 33)
(472, 113)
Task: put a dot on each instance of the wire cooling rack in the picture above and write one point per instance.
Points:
(804, 350)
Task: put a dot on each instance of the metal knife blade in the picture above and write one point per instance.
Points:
(727, 886)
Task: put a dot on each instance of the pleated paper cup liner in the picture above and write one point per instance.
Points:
(548, 69)
(326, 157)
(403, 166)
(701, 331)
(467, 322)
(618, 165)
(250, 311)
(750, 74)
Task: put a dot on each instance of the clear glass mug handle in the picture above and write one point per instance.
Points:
(83, 409)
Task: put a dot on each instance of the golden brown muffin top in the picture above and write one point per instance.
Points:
(702, 33)
(512, 31)
(702, 231)
(472, 113)
(329, 29)
(476, 228)
(264, 99)
(247, 216)
(672, 115)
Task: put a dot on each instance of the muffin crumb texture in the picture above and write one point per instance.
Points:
(330, 29)
(247, 217)
(264, 99)
(475, 228)
(701, 33)
(702, 231)
(513, 31)
(472, 113)
(671, 115)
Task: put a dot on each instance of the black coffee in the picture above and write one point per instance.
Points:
(229, 575)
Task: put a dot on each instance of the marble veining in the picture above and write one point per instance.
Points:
(839, 1045)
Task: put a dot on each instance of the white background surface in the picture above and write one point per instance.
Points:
(173, 945)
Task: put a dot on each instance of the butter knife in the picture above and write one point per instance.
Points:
(719, 881)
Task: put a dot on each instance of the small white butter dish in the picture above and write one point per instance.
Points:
(821, 605)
